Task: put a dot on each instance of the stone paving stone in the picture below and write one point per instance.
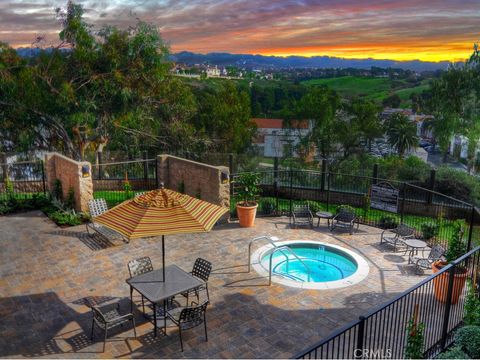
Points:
(49, 274)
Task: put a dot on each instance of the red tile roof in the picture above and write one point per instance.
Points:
(278, 123)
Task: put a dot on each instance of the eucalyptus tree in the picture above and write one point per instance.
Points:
(320, 105)
(111, 85)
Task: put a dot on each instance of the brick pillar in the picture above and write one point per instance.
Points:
(72, 174)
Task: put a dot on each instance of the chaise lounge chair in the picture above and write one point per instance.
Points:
(98, 207)
(421, 262)
(396, 237)
(301, 215)
(344, 219)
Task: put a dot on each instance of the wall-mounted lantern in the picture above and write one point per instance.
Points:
(224, 177)
(85, 171)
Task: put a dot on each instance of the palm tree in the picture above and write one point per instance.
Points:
(401, 133)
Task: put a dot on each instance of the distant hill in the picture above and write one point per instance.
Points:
(276, 62)
(289, 62)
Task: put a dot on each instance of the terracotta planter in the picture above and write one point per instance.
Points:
(440, 283)
(246, 215)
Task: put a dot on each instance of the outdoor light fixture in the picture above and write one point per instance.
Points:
(224, 177)
(85, 171)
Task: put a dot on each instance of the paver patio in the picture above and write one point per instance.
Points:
(48, 274)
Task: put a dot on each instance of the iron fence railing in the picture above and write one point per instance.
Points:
(119, 181)
(432, 214)
(438, 302)
(21, 180)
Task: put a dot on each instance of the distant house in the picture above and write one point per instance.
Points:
(275, 138)
(213, 71)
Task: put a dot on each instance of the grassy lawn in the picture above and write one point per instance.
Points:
(374, 89)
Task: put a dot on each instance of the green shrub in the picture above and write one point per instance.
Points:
(267, 206)
(467, 339)
(456, 245)
(430, 230)
(472, 306)
(345, 208)
(388, 222)
(314, 206)
(453, 353)
(457, 184)
(414, 347)
(414, 169)
(57, 192)
(70, 200)
(68, 217)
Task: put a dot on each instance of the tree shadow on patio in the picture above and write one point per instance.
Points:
(239, 325)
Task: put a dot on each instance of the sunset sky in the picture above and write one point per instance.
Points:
(431, 30)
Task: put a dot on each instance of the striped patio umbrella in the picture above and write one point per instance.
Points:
(161, 212)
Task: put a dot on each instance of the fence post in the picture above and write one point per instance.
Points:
(3, 161)
(99, 162)
(470, 230)
(324, 174)
(230, 168)
(291, 191)
(431, 186)
(402, 209)
(145, 166)
(328, 189)
(448, 304)
(230, 163)
(42, 164)
(360, 336)
(375, 174)
(275, 182)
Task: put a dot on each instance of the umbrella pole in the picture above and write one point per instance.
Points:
(163, 256)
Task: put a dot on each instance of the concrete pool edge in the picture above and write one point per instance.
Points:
(359, 275)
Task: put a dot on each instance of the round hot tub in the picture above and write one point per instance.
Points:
(310, 264)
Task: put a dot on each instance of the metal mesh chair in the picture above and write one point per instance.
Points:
(301, 215)
(396, 237)
(421, 262)
(97, 207)
(344, 219)
(201, 269)
(140, 266)
(107, 317)
(189, 317)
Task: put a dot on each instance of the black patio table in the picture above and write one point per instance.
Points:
(154, 289)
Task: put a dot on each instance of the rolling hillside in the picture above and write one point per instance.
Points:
(375, 89)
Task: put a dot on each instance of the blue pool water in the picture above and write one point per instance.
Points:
(325, 263)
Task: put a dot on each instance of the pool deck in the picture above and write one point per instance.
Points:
(49, 274)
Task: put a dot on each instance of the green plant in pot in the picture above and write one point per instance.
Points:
(248, 190)
(456, 248)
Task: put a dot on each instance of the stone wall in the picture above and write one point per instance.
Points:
(207, 182)
(69, 172)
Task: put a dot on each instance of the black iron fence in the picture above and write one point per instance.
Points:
(438, 302)
(21, 180)
(430, 213)
(119, 181)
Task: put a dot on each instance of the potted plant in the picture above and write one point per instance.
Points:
(456, 248)
(247, 190)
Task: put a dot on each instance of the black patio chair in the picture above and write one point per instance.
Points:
(140, 266)
(397, 236)
(189, 317)
(422, 262)
(344, 219)
(107, 317)
(97, 207)
(301, 215)
(201, 269)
